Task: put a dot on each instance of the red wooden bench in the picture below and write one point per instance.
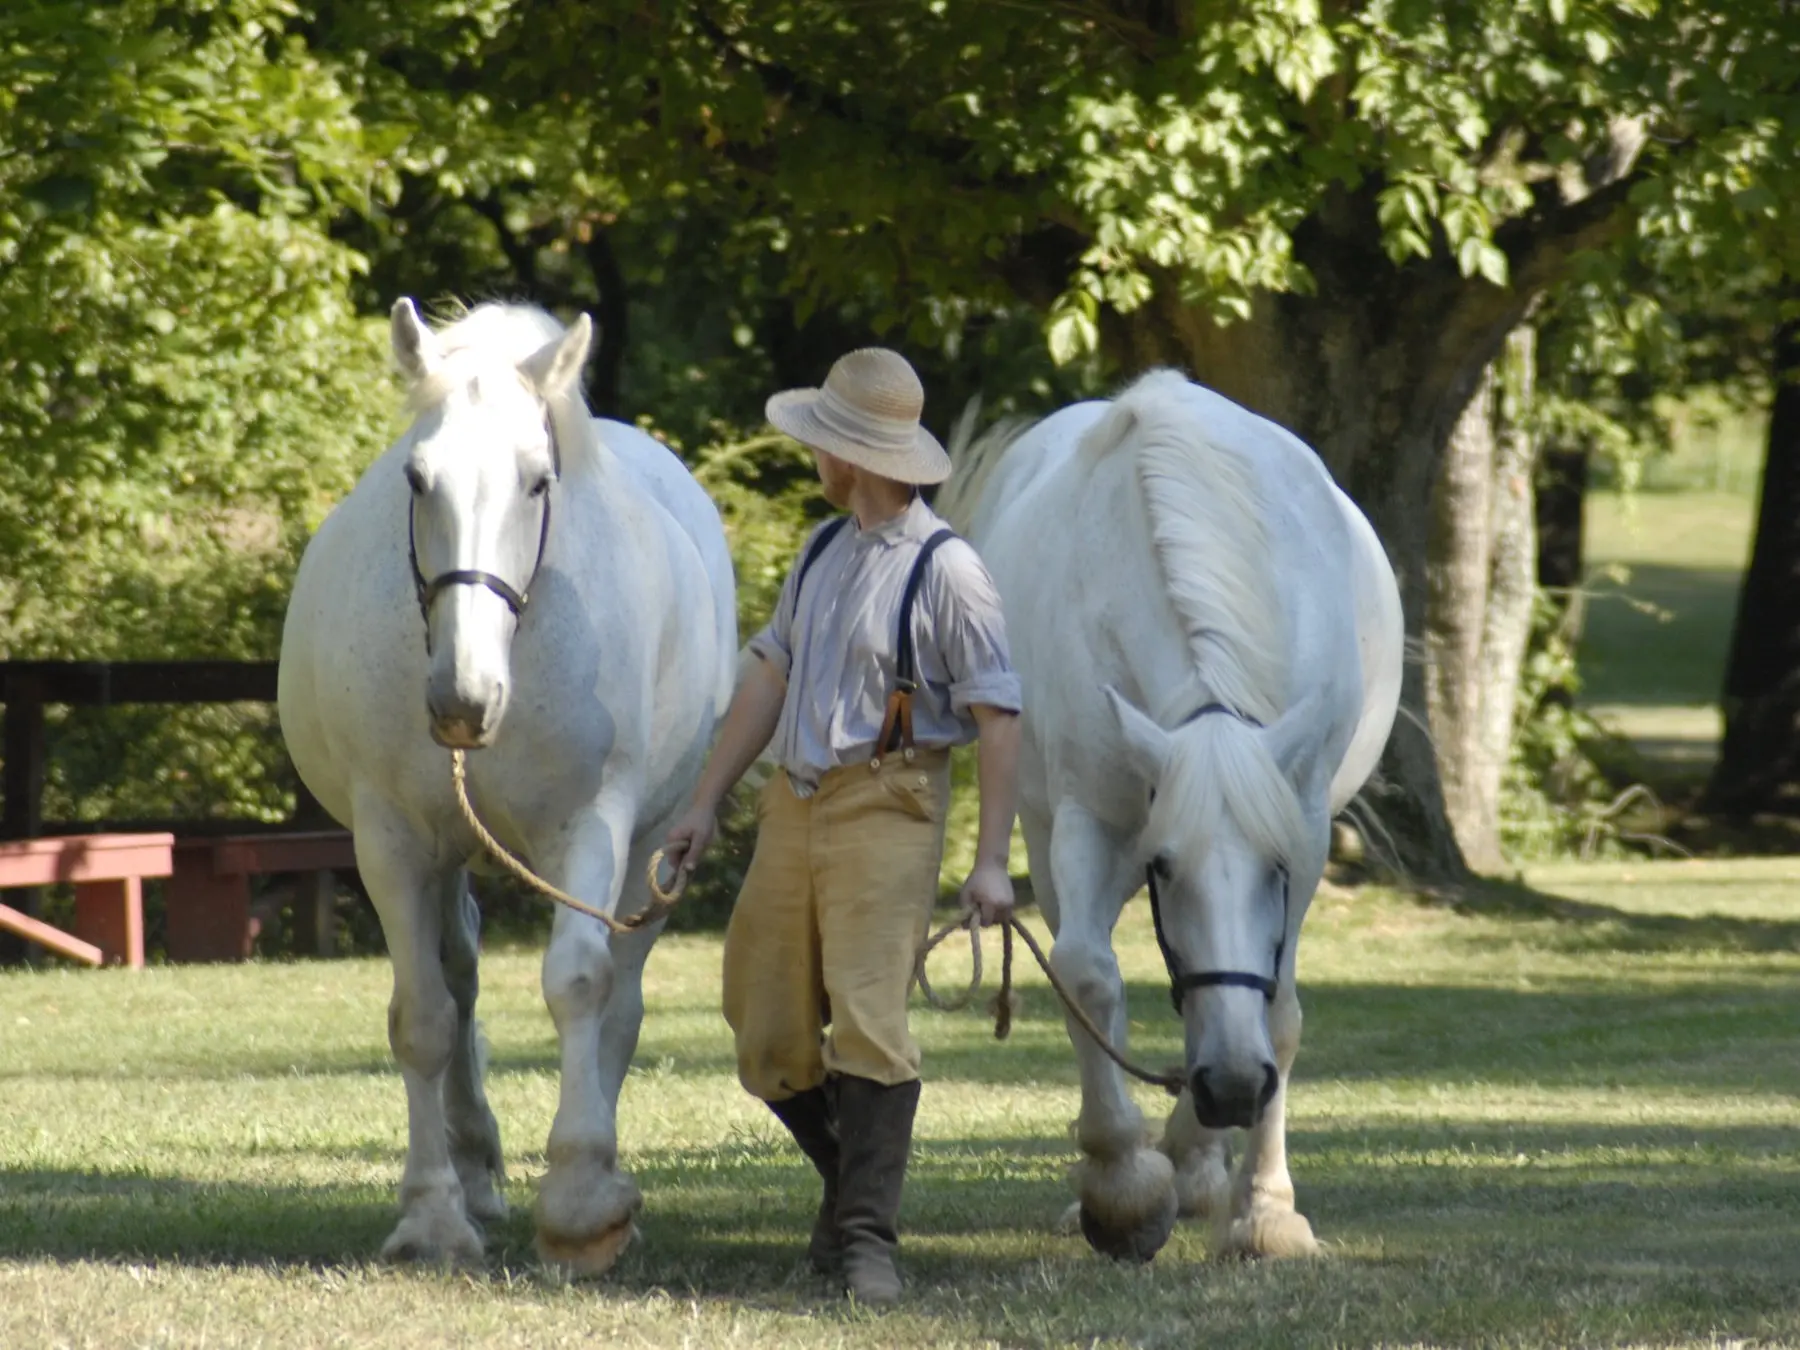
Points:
(107, 871)
(207, 901)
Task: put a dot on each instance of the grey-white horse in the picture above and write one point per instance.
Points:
(553, 594)
(1209, 636)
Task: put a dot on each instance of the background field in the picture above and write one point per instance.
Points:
(1664, 565)
(1560, 1118)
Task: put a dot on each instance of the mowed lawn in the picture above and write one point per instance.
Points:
(1564, 1117)
(1663, 579)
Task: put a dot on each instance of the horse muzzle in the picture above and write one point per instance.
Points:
(1233, 1098)
(460, 722)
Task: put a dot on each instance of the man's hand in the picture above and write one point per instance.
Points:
(989, 892)
(690, 837)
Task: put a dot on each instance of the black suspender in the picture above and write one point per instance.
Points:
(896, 726)
(904, 663)
(820, 540)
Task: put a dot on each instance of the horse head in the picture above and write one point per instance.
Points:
(1223, 832)
(482, 465)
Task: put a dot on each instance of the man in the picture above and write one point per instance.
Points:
(862, 711)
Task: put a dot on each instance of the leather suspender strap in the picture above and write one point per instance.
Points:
(897, 724)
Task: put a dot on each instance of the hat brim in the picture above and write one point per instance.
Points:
(923, 463)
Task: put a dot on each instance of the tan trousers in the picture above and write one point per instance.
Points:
(837, 900)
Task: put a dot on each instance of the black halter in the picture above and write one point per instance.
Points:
(1182, 983)
(516, 601)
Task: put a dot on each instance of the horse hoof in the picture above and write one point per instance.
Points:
(439, 1239)
(1269, 1232)
(1128, 1205)
(488, 1208)
(590, 1257)
(1202, 1185)
(1138, 1244)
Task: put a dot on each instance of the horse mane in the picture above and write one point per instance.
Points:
(477, 340)
(974, 457)
(1207, 535)
(1223, 768)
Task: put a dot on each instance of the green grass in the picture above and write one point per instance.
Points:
(1544, 1119)
(1664, 572)
(1664, 566)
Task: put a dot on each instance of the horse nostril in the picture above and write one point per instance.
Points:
(1271, 1082)
(1204, 1105)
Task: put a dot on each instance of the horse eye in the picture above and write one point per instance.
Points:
(414, 480)
(1160, 865)
(540, 487)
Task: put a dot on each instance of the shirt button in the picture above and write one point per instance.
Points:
(924, 781)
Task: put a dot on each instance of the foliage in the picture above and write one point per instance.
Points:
(1139, 147)
(187, 383)
(1556, 799)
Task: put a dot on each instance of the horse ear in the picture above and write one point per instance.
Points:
(1293, 739)
(555, 368)
(415, 345)
(1146, 744)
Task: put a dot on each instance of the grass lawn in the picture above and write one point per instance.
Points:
(1664, 571)
(1564, 1117)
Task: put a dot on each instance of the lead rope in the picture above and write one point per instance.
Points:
(662, 900)
(1170, 1081)
(665, 900)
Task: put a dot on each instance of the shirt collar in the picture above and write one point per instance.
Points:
(913, 525)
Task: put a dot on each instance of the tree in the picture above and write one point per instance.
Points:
(1758, 770)
(1482, 588)
(1334, 214)
(186, 382)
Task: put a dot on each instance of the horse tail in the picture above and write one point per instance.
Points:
(973, 459)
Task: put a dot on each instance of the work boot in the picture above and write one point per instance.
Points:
(875, 1124)
(810, 1119)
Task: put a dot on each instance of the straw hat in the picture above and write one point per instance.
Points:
(868, 414)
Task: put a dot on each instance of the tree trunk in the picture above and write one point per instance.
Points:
(1759, 762)
(1455, 622)
(1480, 588)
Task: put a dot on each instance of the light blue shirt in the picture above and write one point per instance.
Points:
(837, 652)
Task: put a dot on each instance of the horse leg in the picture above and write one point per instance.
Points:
(1126, 1188)
(624, 1016)
(585, 1204)
(474, 1133)
(1262, 1220)
(1202, 1160)
(422, 1021)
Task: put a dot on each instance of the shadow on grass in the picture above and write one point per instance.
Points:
(1660, 639)
(731, 1220)
(1590, 926)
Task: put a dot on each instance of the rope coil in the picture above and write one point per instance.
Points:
(1170, 1080)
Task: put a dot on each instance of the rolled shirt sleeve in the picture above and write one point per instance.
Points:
(971, 632)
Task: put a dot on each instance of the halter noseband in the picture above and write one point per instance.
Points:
(516, 600)
(1181, 982)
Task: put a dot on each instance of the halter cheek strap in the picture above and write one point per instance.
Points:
(1184, 982)
(516, 600)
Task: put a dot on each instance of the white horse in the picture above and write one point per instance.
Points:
(1209, 635)
(577, 591)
